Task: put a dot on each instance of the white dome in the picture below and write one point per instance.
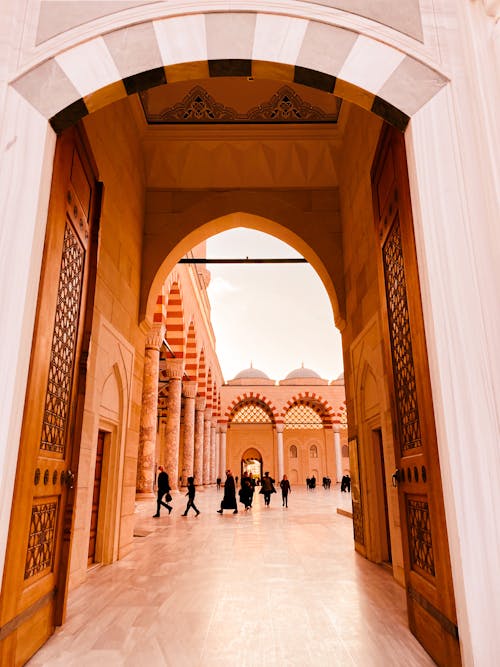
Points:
(302, 373)
(251, 373)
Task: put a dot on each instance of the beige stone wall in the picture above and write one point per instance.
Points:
(366, 383)
(113, 399)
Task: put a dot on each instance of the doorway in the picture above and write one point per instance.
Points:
(251, 463)
(381, 495)
(96, 495)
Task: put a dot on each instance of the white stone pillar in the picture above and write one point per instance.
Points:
(206, 445)
(149, 411)
(189, 394)
(279, 445)
(222, 462)
(174, 369)
(338, 454)
(199, 420)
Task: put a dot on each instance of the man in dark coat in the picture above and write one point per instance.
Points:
(229, 500)
(163, 485)
(267, 488)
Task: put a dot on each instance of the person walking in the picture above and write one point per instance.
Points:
(163, 485)
(285, 490)
(246, 492)
(267, 488)
(228, 501)
(191, 492)
(219, 481)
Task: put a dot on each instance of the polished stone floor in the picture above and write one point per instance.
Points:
(268, 587)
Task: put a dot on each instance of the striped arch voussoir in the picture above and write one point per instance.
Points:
(255, 398)
(314, 401)
(175, 320)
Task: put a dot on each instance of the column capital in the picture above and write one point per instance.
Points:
(208, 414)
(154, 337)
(280, 427)
(174, 368)
(200, 403)
(189, 388)
(222, 427)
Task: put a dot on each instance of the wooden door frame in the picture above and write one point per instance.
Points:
(429, 585)
(17, 615)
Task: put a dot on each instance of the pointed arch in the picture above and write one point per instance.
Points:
(209, 388)
(191, 367)
(315, 402)
(252, 399)
(175, 322)
(202, 378)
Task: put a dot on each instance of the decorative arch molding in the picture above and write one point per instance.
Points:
(338, 52)
(251, 398)
(174, 320)
(220, 212)
(312, 400)
(191, 368)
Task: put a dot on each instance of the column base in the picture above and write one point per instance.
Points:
(144, 495)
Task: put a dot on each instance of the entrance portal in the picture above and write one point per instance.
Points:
(251, 462)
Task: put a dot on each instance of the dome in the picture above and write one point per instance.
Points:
(302, 373)
(251, 373)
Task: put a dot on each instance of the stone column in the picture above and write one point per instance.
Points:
(206, 446)
(338, 454)
(279, 437)
(189, 394)
(173, 369)
(149, 411)
(222, 461)
(213, 451)
(217, 451)
(199, 420)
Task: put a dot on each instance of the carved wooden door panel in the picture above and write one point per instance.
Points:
(430, 597)
(34, 582)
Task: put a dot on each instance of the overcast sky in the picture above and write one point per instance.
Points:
(274, 316)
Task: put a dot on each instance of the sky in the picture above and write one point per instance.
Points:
(275, 317)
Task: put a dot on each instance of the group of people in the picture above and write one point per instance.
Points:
(247, 491)
(228, 502)
(163, 491)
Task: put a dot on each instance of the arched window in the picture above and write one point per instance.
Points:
(302, 416)
(313, 452)
(251, 413)
(293, 452)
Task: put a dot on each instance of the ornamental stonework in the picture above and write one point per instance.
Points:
(198, 106)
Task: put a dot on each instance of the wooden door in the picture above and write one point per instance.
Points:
(429, 588)
(94, 517)
(37, 558)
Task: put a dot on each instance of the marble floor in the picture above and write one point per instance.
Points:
(268, 587)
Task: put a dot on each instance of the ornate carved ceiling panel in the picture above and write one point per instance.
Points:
(238, 101)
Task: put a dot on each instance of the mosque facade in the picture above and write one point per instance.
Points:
(362, 134)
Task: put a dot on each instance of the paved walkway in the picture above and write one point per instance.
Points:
(264, 588)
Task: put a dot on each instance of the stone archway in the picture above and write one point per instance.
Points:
(98, 89)
(251, 462)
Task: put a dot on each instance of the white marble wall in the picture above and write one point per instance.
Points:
(27, 151)
(454, 181)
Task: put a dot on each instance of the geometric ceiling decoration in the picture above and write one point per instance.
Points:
(198, 106)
